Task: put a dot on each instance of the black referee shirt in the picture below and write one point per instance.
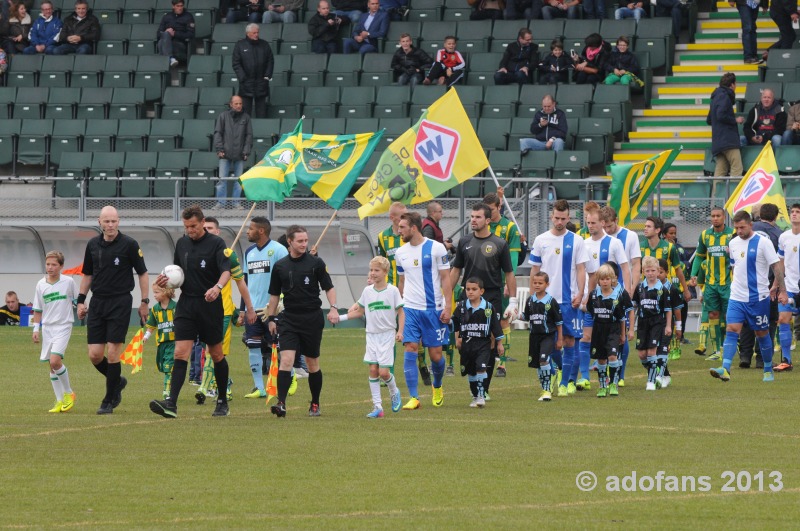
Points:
(486, 258)
(202, 261)
(110, 263)
(300, 279)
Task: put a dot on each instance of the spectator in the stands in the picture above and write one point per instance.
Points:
(748, 13)
(594, 9)
(233, 141)
(80, 32)
(324, 29)
(621, 64)
(3, 64)
(487, 9)
(19, 26)
(523, 9)
(675, 9)
(448, 67)
(409, 63)
(245, 10)
(785, 14)
(175, 33)
(352, 9)
(792, 134)
(766, 121)
(591, 63)
(44, 31)
(373, 25)
(634, 10)
(284, 11)
(253, 63)
(397, 9)
(561, 9)
(518, 60)
(724, 128)
(549, 129)
(555, 67)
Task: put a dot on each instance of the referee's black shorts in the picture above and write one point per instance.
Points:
(195, 317)
(108, 319)
(301, 332)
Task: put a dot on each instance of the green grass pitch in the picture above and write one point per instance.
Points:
(512, 465)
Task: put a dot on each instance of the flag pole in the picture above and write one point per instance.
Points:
(333, 216)
(508, 205)
(239, 234)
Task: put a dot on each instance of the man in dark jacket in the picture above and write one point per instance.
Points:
(233, 141)
(765, 121)
(724, 128)
(253, 63)
(518, 60)
(373, 25)
(784, 13)
(324, 28)
(80, 32)
(409, 63)
(175, 33)
(549, 128)
(44, 32)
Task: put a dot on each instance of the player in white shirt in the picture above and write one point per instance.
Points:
(789, 252)
(751, 257)
(52, 314)
(562, 255)
(424, 283)
(630, 242)
(601, 248)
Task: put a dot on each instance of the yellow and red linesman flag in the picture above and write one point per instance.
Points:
(272, 379)
(761, 184)
(133, 352)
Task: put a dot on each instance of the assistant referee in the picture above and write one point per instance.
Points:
(206, 270)
(106, 271)
(299, 277)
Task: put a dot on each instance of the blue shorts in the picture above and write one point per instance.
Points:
(756, 315)
(258, 330)
(788, 308)
(588, 319)
(424, 326)
(573, 321)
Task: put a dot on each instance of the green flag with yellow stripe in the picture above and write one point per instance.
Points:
(273, 178)
(632, 184)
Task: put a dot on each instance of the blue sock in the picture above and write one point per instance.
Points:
(479, 378)
(729, 349)
(544, 377)
(765, 344)
(256, 361)
(555, 361)
(586, 359)
(410, 370)
(651, 368)
(601, 374)
(438, 371)
(785, 336)
(625, 351)
(661, 363)
(566, 367)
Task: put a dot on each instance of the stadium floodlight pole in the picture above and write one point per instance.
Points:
(314, 248)
(508, 205)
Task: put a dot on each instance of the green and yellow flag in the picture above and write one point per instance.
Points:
(439, 152)
(632, 184)
(330, 164)
(272, 179)
(761, 184)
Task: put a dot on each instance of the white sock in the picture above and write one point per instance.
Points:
(63, 377)
(59, 391)
(391, 383)
(375, 389)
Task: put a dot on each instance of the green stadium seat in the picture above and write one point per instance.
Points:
(224, 37)
(788, 159)
(103, 174)
(749, 156)
(506, 164)
(134, 174)
(520, 128)
(530, 98)
(474, 36)
(343, 70)
(285, 102)
(23, 70)
(308, 70)
(202, 173)
(169, 172)
(266, 132)
(151, 74)
(139, 12)
(611, 30)
(506, 31)
(481, 68)
(376, 70)
(362, 125)
(204, 13)
(471, 99)
(61, 103)
(119, 70)
(29, 102)
(114, 39)
(132, 135)
(202, 71)
(100, 135)
(423, 97)
(165, 135)
(213, 100)
(392, 101)
(570, 165)
(143, 39)
(179, 103)
(576, 100)
(543, 33)
(106, 11)
(56, 70)
(127, 104)
(332, 126)
(654, 35)
(197, 134)
(87, 71)
(433, 33)
(792, 192)
(695, 200)
(295, 39)
(594, 136)
(281, 72)
(8, 96)
(791, 92)
(394, 127)
(538, 164)
(500, 102)
(67, 136)
(612, 101)
(321, 102)
(9, 134)
(426, 11)
(397, 28)
(34, 142)
(227, 77)
(76, 166)
(493, 133)
(94, 103)
(456, 11)
(782, 66)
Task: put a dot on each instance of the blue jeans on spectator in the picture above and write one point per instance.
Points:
(674, 9)
(550, 12)
(67, 48)
(237, 15)
(353, 46)
(626, 12)
(506, 78)
(225, 167)
(749, 17)
(354, 15)
(31, 50)
(788, 138)
(287, 17)
(594, 9)
(320, 46)
(407, 78)
(776, 140)
(531, 144)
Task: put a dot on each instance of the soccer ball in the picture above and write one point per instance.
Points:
(174, 276)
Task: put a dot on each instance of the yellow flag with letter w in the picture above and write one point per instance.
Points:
(439, 152)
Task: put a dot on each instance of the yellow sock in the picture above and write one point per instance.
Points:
(713, 333)
(506, 345)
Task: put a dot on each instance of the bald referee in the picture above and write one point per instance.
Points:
(487, 257)
(200, 312)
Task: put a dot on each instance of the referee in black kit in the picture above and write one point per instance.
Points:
(106, 270)
(206, 270)
(299, 277)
